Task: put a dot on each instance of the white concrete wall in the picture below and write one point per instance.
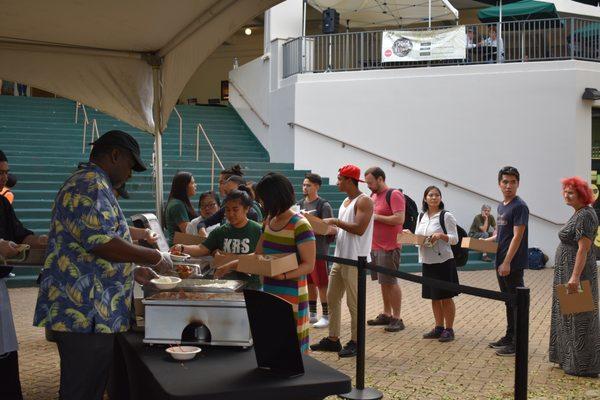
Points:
(460, 124)
(284, 21)
(264, 91)
(252, 80)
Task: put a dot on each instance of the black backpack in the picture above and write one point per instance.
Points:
(411, 212)
(461, 255)
(536, 258)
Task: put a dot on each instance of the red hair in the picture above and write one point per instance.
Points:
(581, 187)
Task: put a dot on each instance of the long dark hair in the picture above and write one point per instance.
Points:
(429, 189)
(276, 193)
(179, 186)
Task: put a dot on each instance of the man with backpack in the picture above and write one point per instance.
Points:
(388, 213)
(318, 279)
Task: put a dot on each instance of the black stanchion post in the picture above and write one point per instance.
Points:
(360, 392)
(522, 345)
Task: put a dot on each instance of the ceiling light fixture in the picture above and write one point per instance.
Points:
(248, 31)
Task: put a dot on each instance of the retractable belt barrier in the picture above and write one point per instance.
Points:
(520, 301)
(474, 291)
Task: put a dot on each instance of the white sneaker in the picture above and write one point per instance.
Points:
(322, 323)
(313, 318)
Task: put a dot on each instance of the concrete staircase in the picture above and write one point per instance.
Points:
(44, 145)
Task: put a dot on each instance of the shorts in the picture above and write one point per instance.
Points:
(387, 259)
(319, 275)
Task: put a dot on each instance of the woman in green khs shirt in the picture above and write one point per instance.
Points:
(238, 236)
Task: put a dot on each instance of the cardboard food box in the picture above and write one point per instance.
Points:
(267, 265)
(410, 238)
(223, 258)
(484, 246)
(187, 239)
(319, 227)
(575, 303)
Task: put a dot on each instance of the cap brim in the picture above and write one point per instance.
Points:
(139, 164)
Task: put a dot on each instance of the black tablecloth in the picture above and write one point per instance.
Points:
(216, 373)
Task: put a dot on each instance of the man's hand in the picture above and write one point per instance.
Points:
(165, 264)
(573, 285)
(150, 236)
(504, 269)
(8, 249)
(143, 275)
(331, 221)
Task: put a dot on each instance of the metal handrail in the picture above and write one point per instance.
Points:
(199, 128)
(180, 130)
(86, 122)
(95, 129)
(241, 93)
(394, 163)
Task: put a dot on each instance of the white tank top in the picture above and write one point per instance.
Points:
(349, 245)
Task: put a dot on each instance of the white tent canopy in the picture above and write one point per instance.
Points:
(371, 13)
(97, 52)
(128, 58)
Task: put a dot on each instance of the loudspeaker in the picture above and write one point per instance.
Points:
(331, 21)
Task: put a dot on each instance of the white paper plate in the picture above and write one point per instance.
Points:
(179, 257)
(183, 353)
(174, 281)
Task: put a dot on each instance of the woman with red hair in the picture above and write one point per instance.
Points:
(575, 338)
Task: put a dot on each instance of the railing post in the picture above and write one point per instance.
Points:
(572, 38)
(360, 392)
(84, 135)
(212, 172)
(197, 141)
(76, 112)
(362, 51)
(522, 344)
(303, 44)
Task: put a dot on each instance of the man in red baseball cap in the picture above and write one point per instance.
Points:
(353, 240)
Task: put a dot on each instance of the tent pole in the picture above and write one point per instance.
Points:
(429, 5)
(304, 18)
(158, 172)
(499, 36)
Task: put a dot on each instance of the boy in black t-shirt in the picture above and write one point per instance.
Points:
(511, 258)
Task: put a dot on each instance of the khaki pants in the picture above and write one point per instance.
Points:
(342, 278)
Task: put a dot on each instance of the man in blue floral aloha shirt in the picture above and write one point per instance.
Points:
(86, 285)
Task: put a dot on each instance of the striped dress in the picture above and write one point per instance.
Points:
(295, 291)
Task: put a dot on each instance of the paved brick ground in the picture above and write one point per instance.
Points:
(402, 365)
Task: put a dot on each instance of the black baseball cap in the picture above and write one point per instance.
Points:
(125, 141)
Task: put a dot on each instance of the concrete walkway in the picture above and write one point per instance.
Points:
(402, 365)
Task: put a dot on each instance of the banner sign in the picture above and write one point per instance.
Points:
(425, 45)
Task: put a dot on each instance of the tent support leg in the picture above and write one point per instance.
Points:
(158, 172)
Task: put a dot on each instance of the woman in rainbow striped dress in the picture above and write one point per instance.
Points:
(287, 232)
